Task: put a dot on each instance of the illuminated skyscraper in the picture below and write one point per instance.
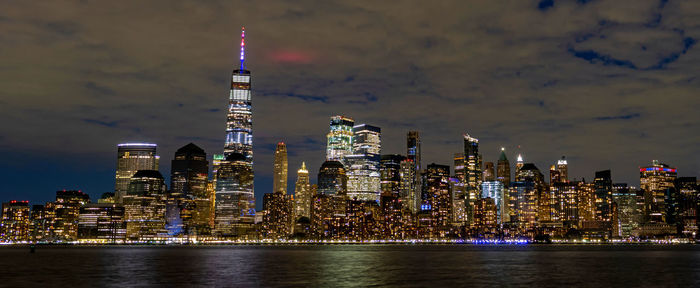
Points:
(413, 153)
(390, 170)
(67, 209)
(563, 169)
(235, 201)
(239, 121)
(302, 194)
(332, 180)
(280, 169)
(603, 198)
(436, 198)
(496, 191)
(409, 192)
(413, 148)
(473, 173)
(102, 222)
(340, 136)
(489, 174)
(503, 169)
(656, 181)
(189, 172)
(14, 222)
(518, 164)
(363, 165)
(144, 206)
(132, 157)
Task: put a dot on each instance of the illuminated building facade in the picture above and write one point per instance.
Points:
(409, 192)
(390, 174)
(302, 194)
(603, 198)
(15, 222)
(486, 217)
(340, 143)
(277, 215)
(437, 199)
(102, 222)
(496, 191)
(145, 206)
(235, 201)
(503, 169)
(363, 165)
(688, 199)
(489, 173)
(473, 173)
(563, 169)
(279, 173)
(413, 154)
(332, 180)
(629, 212)
(239, 119)
(66, 210)
(189, 173)
(132, 157)
(656, 181)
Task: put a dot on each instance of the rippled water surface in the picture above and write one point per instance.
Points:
(353, 265)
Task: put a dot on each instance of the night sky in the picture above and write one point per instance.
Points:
(610, 84)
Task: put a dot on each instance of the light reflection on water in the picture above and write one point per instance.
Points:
(354, 265)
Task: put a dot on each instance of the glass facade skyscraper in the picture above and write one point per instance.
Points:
(239, 121)
(132, 157)
(363, 165)
(279, 175)
(340, 142)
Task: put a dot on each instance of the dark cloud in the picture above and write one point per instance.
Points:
(552, 77)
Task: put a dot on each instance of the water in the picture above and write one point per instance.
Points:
(354, 265)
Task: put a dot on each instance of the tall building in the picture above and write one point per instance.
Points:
(280, 169)
(277, 217)
(489, 173)
(436, 199)
(102, 222)
(239, 120)
(496, 191)
(235, 201)
(503, 169)
(563, 169)
(14, 223)
(363, 165)
(67, 209)
(688, 196)
(413, 154)
(332, 180)
(518, 164)
(409, 192)
(145, 206)
(629, 213)
(473, 173)
(603, 197)
(656, 181)
(132, 157)
(340, 142)
(189, 172)
(390, 171)
(302, 194)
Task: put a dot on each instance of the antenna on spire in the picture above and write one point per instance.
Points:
(242, 47)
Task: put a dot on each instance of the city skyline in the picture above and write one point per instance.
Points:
(634, 127)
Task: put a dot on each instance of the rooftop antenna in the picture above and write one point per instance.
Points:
(242, 47)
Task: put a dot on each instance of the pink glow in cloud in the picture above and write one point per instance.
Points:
(292, 57)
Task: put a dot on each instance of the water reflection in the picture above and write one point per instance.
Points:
(347, 265)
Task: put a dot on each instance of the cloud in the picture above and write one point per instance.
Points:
(547, 76)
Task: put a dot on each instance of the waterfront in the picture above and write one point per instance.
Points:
(354, 265)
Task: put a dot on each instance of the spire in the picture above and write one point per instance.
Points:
(303, 168)
(503, 157)
(242, 48)
(520, 158)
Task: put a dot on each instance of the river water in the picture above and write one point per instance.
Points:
(354, 266)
